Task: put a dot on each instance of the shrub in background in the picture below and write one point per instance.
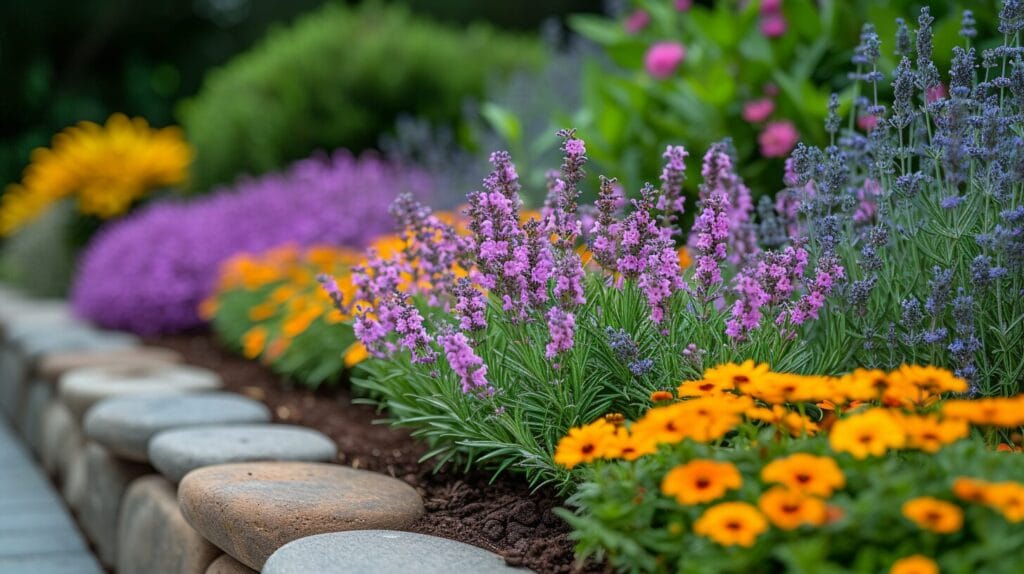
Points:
(149, 273)
(339, 77)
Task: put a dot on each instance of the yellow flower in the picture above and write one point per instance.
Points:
(684, 258)
(253, 342)
(355, 354)
(731, 524)
(107, 168)
(628, 446)
(971, 490)
(1008, 498)
(700, 481)
(731, 375)
(1002, 412)
(932, 380)
(704, 388)
(789, 509)
(806, 473)
(929, 433)
(585, 444)
(933, 514)
(869, 433)
(914, 564)
(777, 388)
(794, 423)
(262, 312)
(661, 396)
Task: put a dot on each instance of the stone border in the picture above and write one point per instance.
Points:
(141, 521)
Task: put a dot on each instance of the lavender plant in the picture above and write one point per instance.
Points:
(925, 211)
(491, 346)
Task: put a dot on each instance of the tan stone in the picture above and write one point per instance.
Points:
(53, 365)
(228, 565)
(106, 480)
(80, 389)
(250, 510)
(152, 535)
(60, 439)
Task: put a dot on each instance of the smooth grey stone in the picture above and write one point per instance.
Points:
(106, 480)
(81, 388)
(40, 542)
(125, 424)
(177, 452)
(70, 563)
(383, 552)
(37, 343)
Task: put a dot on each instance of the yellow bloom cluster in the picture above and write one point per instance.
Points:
(106, 167)
(1006, 497)
(295, 299)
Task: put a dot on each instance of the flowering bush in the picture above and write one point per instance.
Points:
(924, 210)
(760, 72)
(149, 273)
(758, 471)
(270, 306)
(106, 168)
(564, 333)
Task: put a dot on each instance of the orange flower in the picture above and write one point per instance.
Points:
(1003, 412)
(931, 380)
(928, 433)
(933, 514)
(731, 375)
(971, 490)
(584, 444)
(661, 396)
(1008, 498)
(355, 354)
(684, 258)
(703, 388)
(700, 481)
(869, 433)
(794, 423)
(789, 509)
(915, 564)
(253, 342)
(731, 524)
(628, 446)
(806, 473)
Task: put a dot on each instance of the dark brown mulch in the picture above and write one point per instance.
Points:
(504, 516)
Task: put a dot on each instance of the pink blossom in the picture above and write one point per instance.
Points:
(778, 138)
(936, 92)
(683, 5)
(773, 25)
(637, 21)
(771, 6)
(867, 122)
(757, 111)
(663, 58)
(771, 90)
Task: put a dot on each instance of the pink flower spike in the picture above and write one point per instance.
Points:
(758, 111)
(683, 5)
(663, 58)
(867, 122)
(935, 92)
(778, 138)
(637, 21)
(773, 25)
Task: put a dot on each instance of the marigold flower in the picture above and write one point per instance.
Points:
(703, 420)
(700, 481)
(684, 258)
(914, 564)
(731, 524)
(806, 473)
(932, 380)
(629, 446)
(929, 433)
(778, 388)
(933, 514)
(702, 388)
(1003, 412)
(870, 433)
(1007, 498)
(971, 489)
(355, 354)
(789, 509)
(792, 422)
(253, 342)
(731, 375)
(584, 444)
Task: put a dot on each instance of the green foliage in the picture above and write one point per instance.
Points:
(622, 515)
(338, 78)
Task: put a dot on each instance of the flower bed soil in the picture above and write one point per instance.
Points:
(503, 516)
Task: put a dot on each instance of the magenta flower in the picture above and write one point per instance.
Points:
(867, 122)
(672, 200)
(465, 363)
(561, 326)
(778, 139)
(470, 306)
(637, 21)
(663, 58)
(773, 25)
(771, 6)
(683, 5)
(757, 111)
(936, 92)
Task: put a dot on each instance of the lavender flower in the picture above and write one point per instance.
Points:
(470, 306)
(561, 326)
(407, 323)
(672, 200)
(465, 363)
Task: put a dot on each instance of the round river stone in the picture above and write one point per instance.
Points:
(251, 509)
(125, 424)
(176, 452)
(53, 365)
(82, 388)
(383, 552)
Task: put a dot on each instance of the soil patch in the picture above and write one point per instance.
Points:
(503, 516)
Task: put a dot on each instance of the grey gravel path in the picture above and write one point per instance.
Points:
(37, 533)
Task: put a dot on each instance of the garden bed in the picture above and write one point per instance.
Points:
(503, 516)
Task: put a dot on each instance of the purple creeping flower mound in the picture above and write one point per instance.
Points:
(149, 273)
